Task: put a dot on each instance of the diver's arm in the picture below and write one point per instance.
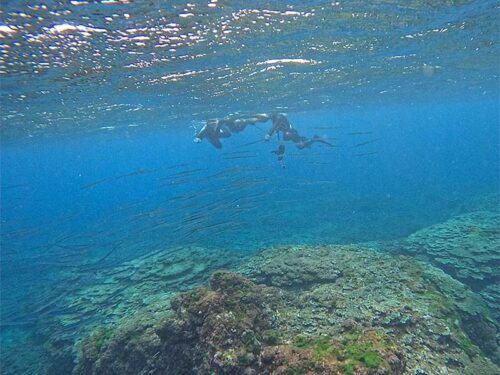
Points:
(201, 134)
(272, 131)
(224, 131)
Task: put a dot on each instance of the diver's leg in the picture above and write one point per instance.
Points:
(224, 132)
(215, 142)
(275, 128)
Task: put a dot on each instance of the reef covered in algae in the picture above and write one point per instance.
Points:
(106, 298)
(307, 310)
(467, 247)
(233, 327)
(424, 304)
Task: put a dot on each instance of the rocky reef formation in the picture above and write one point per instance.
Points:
(233, 327)
(144, 281)
(221, 328)
(306, 310)
(466, 247)
(395, 293)
(110, 295)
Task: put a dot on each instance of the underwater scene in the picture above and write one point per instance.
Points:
(250, 187)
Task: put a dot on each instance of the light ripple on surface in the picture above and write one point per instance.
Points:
(215, 56)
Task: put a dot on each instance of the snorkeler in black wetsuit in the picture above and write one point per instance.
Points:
(215, 129)
(239, 124)
(281, 124)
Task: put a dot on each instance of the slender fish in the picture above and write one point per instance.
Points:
(367, 142)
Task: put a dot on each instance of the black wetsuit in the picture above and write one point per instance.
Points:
(214, 131)
(236, 126)
(280, 152)
(281, 124)
(239, 124)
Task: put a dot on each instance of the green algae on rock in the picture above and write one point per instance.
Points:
(380, 314)
(421, 308)
(225, 329)
(221, 328)
(362, 351)
(142, 287)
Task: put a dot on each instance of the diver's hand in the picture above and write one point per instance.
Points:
(267, 137)
(197, 140)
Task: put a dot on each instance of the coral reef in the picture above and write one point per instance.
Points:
(408, 299)
(143, 282)
(336, 309)
(220, 329)
(324, 310)
(231, 328)
(300, 270)
(143, 286)
(466, 246)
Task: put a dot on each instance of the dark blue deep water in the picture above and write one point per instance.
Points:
(99, 167)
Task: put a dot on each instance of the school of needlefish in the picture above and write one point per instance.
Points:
(188, 210)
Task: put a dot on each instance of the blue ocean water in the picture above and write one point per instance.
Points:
(100, 102)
